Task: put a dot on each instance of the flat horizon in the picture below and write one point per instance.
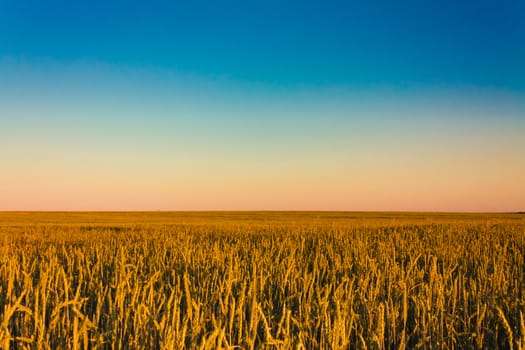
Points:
(264, 211)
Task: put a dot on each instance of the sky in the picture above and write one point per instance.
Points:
(262, 105)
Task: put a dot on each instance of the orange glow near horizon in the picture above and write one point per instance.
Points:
(423, 185)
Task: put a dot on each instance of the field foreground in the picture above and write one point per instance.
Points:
(248, 280)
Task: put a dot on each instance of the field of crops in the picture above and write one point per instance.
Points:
(256, 280)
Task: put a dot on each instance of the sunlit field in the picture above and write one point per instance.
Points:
(256, 280)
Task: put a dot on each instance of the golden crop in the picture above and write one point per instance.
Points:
(261, 280)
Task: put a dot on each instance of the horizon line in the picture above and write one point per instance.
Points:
(266, 211)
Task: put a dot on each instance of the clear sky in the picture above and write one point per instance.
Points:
(351, 105)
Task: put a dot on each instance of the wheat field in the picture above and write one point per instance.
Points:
(262, 280)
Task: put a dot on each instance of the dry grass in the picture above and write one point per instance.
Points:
(261, 280)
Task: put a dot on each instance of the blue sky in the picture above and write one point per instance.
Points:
(282, 43)
(262, 104)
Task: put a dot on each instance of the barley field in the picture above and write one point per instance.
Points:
(262, 280)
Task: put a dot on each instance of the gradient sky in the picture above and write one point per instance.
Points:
(369, 105)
